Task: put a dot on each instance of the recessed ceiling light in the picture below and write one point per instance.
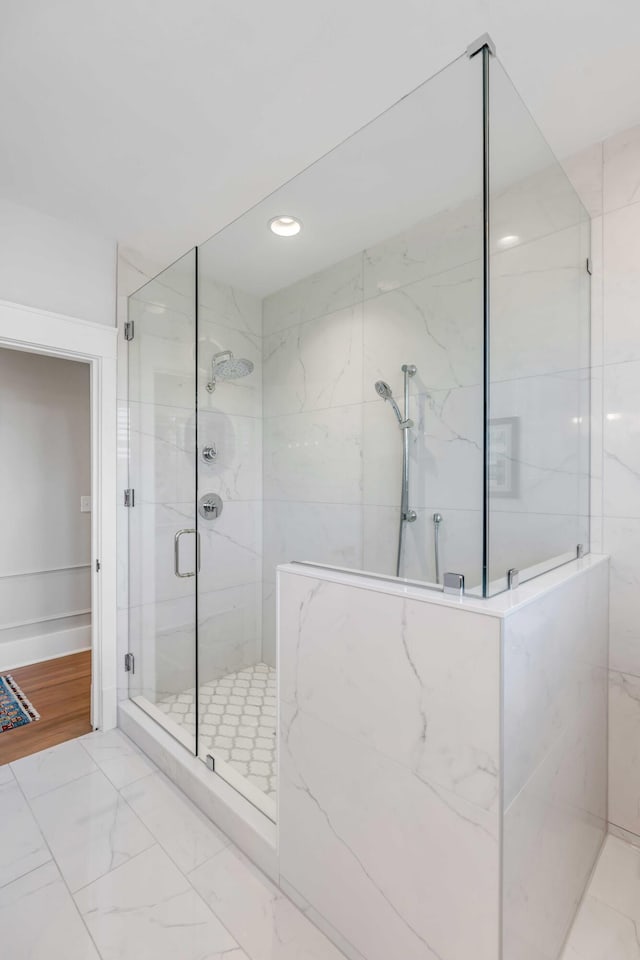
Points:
(509, 241)
(285, 226)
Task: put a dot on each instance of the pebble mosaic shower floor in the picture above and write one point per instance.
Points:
(237, 720)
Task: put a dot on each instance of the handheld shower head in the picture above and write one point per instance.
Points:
(384, 390)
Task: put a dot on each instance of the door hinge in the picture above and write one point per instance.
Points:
(129, 663)
(130, 497)
(589, 266)
(97, 566)
(129, 330)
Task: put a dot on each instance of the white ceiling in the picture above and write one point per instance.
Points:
(155, 122)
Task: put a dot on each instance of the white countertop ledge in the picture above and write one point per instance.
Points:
(499, 606)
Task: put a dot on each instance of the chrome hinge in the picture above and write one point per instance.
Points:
(129, 663)
(589, 266)
(453, 583)
(130, 497)
(513, 578)
(129, 330)
(97, 566)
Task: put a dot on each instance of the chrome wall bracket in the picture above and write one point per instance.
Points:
(129, 330)
(513, 578)
(477, 45)
(130, 497)
(211, 763)
(454, 584)
(129, 663)
(580, 551)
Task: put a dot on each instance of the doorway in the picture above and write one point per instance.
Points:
(45, 551)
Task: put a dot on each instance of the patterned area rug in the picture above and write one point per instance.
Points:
(15, 708)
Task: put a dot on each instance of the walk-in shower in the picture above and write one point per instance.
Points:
(402, 279)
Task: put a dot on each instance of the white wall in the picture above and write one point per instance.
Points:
(607, 177)
(55, 265)
(45, 549)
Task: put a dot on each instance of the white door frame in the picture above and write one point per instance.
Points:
(39, 331)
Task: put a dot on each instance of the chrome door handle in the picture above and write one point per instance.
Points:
(176, 553)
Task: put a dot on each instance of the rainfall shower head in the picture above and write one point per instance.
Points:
(225, 366)
(384, 390)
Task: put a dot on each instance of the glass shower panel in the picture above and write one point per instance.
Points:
(331, 365)
(539, 349)
(163, 543)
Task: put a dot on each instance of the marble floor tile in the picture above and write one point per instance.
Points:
(185, 833)
(601, 933)
(22, 846)
(90, 828)
(607, 925)
(147, 910)
(263, 921)
(117, 756)
(52, 768)
(6, 775)
(39, 921)
(616, 880)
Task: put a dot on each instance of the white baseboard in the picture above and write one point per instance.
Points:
(27, 650)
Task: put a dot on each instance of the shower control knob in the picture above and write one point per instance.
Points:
(209, 454)
(210, 506)
(410, 516)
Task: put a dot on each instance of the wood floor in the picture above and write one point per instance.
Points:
(60, 690)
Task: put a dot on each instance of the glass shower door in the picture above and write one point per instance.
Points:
(164, 549)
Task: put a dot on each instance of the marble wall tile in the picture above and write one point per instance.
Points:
(162, 448)
(226, 305)
(621, 424)
(440, 860)
(539, 305)
(449, 239)
(585, 170)
(322, 293)
(437, 716)
(151, 907)
(621, 540)
(621, 164)
(39, 919)
(314, 365)
(428, 768)
(89, 828)
(600, 932)
(624, 751)
(328, 533)
(236, 473)
(269, 639)
(230, 630)
(555, 677)
(231, 546)
(314, 456)
(435, 324)
(621, 238)
(552, 453)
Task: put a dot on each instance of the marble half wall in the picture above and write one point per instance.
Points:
(442, 761)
